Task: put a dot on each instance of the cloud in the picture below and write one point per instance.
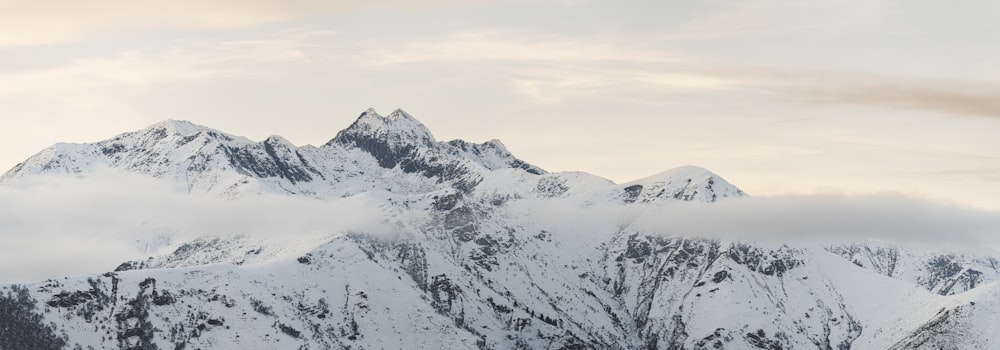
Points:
(799, 219)
(143, 68)
(516, 46)
(760, 18)
(836, 218)
(58, 226)
(57, 21)
(984, 174)
(653, 70)
(816, 86)
(549, 67)
(926, 96)
(54, 21)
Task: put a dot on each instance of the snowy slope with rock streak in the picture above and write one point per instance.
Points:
(486, 251)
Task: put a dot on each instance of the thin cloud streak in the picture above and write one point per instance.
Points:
(57, 21)
(542, 67)
(956, 97)
(983, 102)
(515, 46)
(144, 68)
(549, 68)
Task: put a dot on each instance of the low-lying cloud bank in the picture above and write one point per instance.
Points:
(63, 226)
(831, 218)
(889, 217)
(54, 227)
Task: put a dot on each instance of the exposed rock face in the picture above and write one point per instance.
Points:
(475, 269)
(943, 273)
(391, 140)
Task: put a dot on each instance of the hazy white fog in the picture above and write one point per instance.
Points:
(61, 226)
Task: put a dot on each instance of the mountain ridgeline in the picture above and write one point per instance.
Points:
(477, 269)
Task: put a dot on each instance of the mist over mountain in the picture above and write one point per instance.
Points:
(179, 236)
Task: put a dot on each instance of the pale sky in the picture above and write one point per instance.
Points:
(778, 97)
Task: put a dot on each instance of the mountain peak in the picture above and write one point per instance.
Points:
(398, 120)
(397, 115)
(687, 172)
(177, 127)
(495, 143)
(369, 113)
(399, 128)
(277, 139)
(386, 138)
(400, 114)
(689, 183)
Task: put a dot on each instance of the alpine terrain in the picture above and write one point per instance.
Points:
(476, 257)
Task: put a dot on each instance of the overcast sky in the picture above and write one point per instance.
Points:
(779, 97)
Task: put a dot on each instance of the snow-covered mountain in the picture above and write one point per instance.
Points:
(486, 251)
(209, 161)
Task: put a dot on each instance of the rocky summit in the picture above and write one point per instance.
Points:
(485, 251)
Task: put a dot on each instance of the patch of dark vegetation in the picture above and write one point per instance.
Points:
(21, 326)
